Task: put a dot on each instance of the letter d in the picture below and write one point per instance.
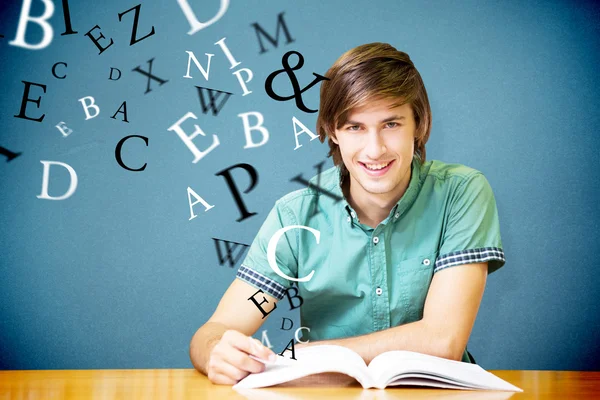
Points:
(72, 185)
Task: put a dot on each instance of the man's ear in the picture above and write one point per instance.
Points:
(333, 138)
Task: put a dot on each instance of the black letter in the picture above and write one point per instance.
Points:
(283, 324)
(95, 40)
(9, 154)
(149, 75)
(236, 194)
(110, 78)
(293, 357)
(26, 99)
(319, 190)
(258, 304)
(280, 24)
(212, 100)
(124, 112)
(118, 152)
(54, 70)
(287, 293)
(67, 15)
(135, 24)
(229, 250)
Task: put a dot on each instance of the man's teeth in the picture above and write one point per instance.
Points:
(377, 166)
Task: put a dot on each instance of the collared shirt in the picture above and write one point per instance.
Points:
(369, 279)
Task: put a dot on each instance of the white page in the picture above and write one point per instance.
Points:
(311, 360)
(387, 366)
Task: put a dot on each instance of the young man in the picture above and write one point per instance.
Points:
(405, 245)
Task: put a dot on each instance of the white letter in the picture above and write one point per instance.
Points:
(191, 17)
(62, 127)
(295, 122)
(227, 53)
(193, 57)
(72, 185)
(265, 339)
(296, 334)
(41, 21)
(188, 139)
(91, 105)
(272, 247)
(207, 206)
(247, 129)
(242, 83)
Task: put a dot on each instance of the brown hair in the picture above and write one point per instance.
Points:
(370, 72)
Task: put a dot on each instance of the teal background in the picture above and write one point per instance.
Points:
(118, 277)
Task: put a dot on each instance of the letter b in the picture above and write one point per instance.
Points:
(42, 21)
(88, 106)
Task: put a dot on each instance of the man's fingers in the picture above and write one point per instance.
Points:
(247, 344)
(220, 379)
(261, 351)
(231, 372)
(243, 361)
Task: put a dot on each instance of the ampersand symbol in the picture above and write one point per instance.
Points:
(290, 72)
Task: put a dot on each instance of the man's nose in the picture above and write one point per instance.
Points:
(375, 145)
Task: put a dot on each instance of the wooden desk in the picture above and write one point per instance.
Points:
(189, 384)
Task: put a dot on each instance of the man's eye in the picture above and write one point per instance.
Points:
(392, 124)
(353, 128)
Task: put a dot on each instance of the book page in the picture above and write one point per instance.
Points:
(390, 366)
(311, 360)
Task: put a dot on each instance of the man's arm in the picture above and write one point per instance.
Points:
(449, 313)
(233, 322)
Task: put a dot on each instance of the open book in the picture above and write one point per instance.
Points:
(392, 368)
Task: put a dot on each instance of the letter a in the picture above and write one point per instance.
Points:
(41, 21)
(72, 185)
(297, 123)
(191, 17)
(199, 199)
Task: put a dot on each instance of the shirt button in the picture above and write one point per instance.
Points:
(397, 215)
(378, 291)
(349, 219)
(426, 261)
(375, 240)
(353, 214)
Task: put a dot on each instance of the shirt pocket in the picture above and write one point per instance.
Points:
(414, 275)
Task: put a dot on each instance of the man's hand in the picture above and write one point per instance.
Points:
(229, 359)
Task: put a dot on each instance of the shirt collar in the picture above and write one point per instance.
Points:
(407, 199)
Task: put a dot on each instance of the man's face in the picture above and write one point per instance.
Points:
(377, 144)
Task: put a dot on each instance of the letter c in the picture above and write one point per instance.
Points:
(272, 247)
(54, 70)
(118, 152)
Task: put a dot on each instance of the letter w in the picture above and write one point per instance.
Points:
(229, 250)
(212, 99)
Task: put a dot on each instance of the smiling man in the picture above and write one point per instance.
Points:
(404, 255)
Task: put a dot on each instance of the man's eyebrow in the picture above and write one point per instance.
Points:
(392, 118)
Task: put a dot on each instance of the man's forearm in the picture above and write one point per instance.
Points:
(416, 336)
(203, 342)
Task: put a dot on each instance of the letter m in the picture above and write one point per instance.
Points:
(229, 248)
(280, 25)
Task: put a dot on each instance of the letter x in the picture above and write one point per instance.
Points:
(319, 189)
(149, 75)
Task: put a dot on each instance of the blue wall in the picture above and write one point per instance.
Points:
(117, 276)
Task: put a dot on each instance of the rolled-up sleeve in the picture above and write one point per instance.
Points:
(472, 231)
(255, 268)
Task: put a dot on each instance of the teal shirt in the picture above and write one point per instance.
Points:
(369, 279)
